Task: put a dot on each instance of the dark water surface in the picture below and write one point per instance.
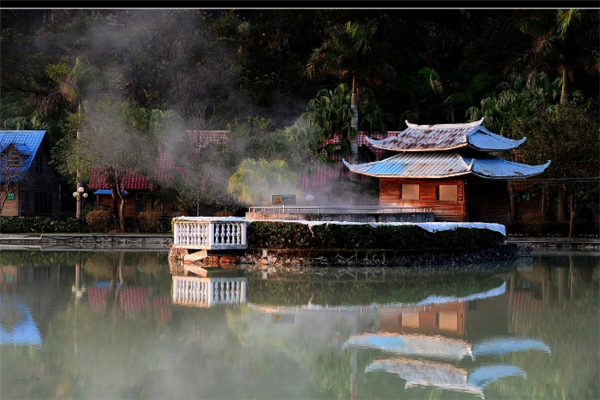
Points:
(107, 325)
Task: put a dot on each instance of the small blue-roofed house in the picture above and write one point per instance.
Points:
(29, 185)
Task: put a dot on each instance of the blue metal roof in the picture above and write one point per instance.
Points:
(435, 165)
(445, 137)
(27, 143)
(108, 192)
(414, 165)
(501, 169)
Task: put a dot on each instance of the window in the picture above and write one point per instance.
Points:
(409, 192)
(42, 203)
(448, 193)
(13, 159)
(447, 320)
(410, 320)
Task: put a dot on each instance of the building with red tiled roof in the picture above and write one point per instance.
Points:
(137, 185)
(320, 178)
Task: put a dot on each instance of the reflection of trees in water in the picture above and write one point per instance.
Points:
(559, 303)
(101, 265)
(9, 314)
(150, 264)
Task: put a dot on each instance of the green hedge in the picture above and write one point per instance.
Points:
(290, 235)
(69, 225)
(37, 224)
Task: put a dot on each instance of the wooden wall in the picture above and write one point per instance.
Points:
(390, 319)
(389, 195)
(478, 200)
(11, 207)
(490, 200)
(41, 182)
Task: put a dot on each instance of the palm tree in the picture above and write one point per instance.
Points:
(331, 110)
(352, 51)
(566, 41)
(432, 99)
(69, 84)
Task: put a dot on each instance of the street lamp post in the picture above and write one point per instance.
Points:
(80, 194)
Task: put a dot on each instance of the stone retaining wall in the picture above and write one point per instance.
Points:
(292, 260)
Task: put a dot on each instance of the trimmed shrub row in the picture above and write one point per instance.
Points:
(94, 221)
(286, 235)
(37, 224)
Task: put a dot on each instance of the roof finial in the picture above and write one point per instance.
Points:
(442, 126)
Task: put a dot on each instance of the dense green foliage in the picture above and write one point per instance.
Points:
(289, 235)
(37, 225)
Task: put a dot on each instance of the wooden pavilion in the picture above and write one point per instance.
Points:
(453, 168)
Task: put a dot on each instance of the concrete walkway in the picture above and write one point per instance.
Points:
(66, 241)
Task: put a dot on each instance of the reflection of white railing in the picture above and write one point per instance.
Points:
(207, 292)
(210, 233)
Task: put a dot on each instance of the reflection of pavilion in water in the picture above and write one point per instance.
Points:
(441, 345)
(439, 342)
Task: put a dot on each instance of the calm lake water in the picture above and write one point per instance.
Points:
(99, 325)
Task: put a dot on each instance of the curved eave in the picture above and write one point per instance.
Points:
(535, 170)
(495, 142)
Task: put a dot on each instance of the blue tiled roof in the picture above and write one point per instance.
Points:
(26, 142)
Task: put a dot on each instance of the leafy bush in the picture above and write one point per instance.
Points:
(290, 235)
(37, 224)
(98, 220)
(149, 221)
(224, 213)
(533, 223)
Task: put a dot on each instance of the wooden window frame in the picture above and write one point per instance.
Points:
(13, 159)
(411, 184)
(437, 192)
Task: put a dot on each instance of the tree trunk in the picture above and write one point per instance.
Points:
(562, 214)
(512, 206)
(572, 215)
(564, 100)
(197, 205)
(354, 107)
(122, 215)
(543, 206)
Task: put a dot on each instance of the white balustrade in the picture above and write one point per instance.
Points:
(208, 292)
(210, 233)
